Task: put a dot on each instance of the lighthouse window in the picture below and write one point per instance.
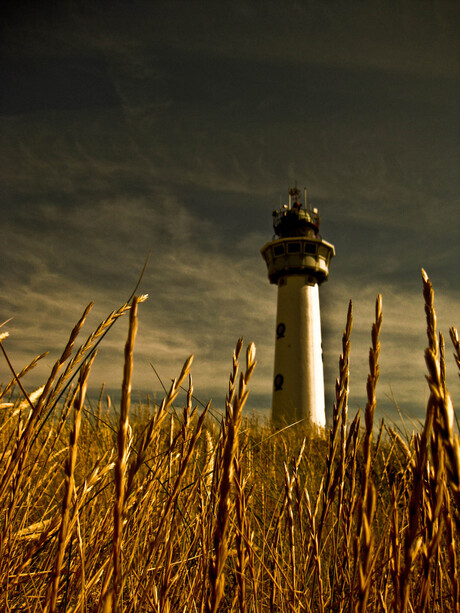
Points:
(309, 248)
(278, 250)
(280, 330)
(293, 247)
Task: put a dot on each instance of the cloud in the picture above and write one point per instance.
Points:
(412, 38)
(403, 340)
(201, 300)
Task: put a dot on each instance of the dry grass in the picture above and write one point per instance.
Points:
(152, 509)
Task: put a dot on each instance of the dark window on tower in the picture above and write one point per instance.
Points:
(278, 250)
(293, 247)
(309, 248)
(279, 380)
(280, 330)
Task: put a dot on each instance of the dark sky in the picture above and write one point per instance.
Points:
(176, 127)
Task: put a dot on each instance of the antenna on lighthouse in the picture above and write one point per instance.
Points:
(305, 191)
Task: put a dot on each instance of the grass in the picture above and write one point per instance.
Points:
(156, 509)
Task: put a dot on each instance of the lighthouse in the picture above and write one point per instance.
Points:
(298, 262)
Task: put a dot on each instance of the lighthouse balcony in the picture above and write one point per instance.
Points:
(298, 256)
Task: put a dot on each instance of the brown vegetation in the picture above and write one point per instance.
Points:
(158, 509)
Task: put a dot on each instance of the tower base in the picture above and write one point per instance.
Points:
(298, 390)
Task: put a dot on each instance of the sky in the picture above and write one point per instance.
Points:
(175, 129)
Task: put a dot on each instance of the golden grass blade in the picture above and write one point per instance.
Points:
(368, 503)
(456, 343)
(51, 601)
(234, 406)
(21, 374)
(121, 461)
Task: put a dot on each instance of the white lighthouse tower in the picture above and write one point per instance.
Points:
(298, 262)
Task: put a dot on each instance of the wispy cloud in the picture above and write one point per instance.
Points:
(201, 301)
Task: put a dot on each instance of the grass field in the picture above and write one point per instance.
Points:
(164, 508)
